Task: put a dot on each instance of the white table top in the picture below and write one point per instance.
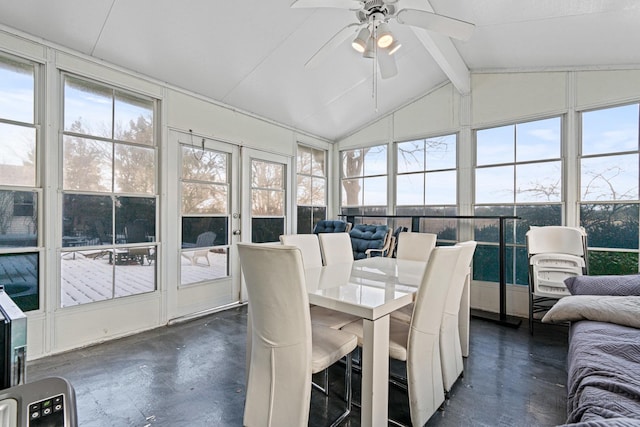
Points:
(369, 288)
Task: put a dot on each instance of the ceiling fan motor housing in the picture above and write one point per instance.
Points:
(373, 7)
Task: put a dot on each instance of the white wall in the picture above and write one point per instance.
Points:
(497, 99)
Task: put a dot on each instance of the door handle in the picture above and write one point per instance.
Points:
(236, 232)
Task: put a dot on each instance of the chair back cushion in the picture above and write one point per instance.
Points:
(460, 275)
(279, 377)
(365, 237)
(450, 344)
(416, 246)
(424, 374)
(330, 226)
(432, 293)
(309, 247)
(336, 248)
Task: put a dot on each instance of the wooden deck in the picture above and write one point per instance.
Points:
(91, 275)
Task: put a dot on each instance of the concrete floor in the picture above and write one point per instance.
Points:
(192, 374)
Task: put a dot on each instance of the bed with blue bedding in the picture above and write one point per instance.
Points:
(603, 360)
(603, 367)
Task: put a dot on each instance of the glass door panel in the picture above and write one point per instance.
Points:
(266, 210)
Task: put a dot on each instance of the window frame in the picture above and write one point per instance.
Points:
(118, 244)
(190, 252)
(515, 242)
(313, 208)
(362, 207)
(600, 257)
(36, 188)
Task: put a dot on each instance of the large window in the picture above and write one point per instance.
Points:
(311, 187)
(109, 201)
(518, 173)
(426, 183)
(20, 191)
(205, 215)
(364, 180)
(609, 199)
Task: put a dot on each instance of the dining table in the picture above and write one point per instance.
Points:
(370, 288)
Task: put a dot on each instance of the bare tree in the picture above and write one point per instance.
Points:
(204, 174)
(85, 161)
(135, 165)
(352, 164)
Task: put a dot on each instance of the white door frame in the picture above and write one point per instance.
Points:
(247, 155)
(186, 301)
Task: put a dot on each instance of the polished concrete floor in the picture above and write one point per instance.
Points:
(192, 374)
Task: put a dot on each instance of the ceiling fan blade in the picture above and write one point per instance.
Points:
(387, 64)
(336, 4)
(450, 27)
(331, 44)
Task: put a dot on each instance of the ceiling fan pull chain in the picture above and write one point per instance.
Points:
(375, 64)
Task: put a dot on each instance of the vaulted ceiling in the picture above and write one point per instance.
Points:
(250, 54)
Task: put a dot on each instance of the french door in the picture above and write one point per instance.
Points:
(266, 197)
(245, 196)
(207, 205)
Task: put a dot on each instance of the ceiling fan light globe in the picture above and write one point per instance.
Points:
(357, 46)
(385, 41)
(360, 42)
(385, 38)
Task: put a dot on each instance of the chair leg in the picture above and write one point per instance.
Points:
(326, 381)
(347, 386)
(347, 391)
(324, 388)
(530, 313)
(396, 423)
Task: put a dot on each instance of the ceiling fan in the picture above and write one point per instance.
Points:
(374, 37)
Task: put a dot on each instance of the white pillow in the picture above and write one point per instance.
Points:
(622, 310)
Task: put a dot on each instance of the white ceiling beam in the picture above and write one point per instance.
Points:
(446, 55)
(443, 51)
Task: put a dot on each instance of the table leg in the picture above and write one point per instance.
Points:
(375, 372)
(464, 316)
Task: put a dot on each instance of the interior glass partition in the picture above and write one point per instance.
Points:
(461, 221)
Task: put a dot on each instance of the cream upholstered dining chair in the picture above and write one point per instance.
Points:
(311, 257)
(416, 246)
(308, 245)
(284, 348)
(418, 343)
(413, 247)
(450, 343)
(336, 248)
